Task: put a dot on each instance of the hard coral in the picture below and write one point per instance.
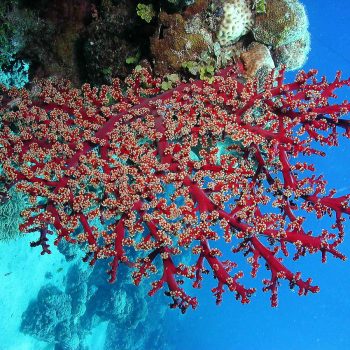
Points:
(284, 27)
(11, 206)
(196, 8)
(44, 317)
(294, 54)
(256, 57)
(237, 21)
(285, 21)
(174, 45)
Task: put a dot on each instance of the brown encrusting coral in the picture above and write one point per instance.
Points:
(172, 45)
(255, 58)
(198, 7)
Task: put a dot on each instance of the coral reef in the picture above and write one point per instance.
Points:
(66, 318)
(146, 12)
(95, 41)
(294, 54)
(227, 29)
(12, 203)
(284, 27)
(13, 71)
(43, 37)
(50, 36)
(181, 3)
(174, 45)
(285, 21)
(46, 317)
(80, 40)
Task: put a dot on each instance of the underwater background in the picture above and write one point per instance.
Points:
(58, 302)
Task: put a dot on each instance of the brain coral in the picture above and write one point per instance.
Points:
(285, 21)
(237, 21)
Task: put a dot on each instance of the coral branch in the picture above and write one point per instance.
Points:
(153, 180)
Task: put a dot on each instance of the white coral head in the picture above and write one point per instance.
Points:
(237, 21)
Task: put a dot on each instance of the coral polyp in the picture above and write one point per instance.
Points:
(161, 182)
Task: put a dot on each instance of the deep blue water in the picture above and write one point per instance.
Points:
(318, 321)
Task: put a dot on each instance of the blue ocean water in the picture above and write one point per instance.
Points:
(318, 321)
(97, 316)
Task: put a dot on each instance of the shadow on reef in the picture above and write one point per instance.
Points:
(84, 40)
(96, 40)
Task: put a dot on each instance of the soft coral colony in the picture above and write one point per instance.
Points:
(153, 180)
